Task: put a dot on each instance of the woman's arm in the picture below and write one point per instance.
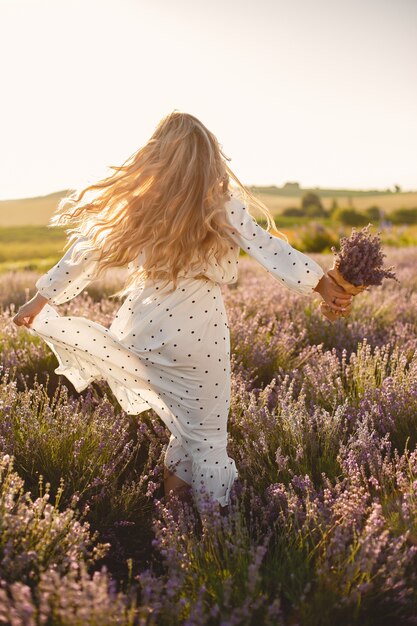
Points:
(292, 268)
(67, 279)
(64, 281)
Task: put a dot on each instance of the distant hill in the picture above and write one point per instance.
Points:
(30, 211)
(295, 190)
(37, 211)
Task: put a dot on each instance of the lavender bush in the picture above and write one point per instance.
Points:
(35, 535)
(322, 527)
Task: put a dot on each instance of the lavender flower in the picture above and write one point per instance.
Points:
(322, 526)
(360, 260)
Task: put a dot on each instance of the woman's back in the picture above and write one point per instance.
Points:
(168, 347)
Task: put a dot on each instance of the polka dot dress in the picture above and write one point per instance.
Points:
(170, 351)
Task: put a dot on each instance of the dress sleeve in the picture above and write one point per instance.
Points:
(297, 271)
(67, 279)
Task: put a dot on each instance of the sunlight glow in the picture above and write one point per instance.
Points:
(323, 93)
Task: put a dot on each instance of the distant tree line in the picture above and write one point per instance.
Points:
(311, 206)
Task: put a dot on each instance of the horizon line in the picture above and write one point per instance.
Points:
(296, 185)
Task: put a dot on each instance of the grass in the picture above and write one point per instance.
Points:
(37, 248)
(30, 247)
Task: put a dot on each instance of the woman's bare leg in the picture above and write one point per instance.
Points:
(179, 486)
(182, 489)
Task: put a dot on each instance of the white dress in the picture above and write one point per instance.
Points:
(170, 351)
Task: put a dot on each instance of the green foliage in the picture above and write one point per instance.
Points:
(404, 216)
(312, 205)
(310, 198)
(350, 217)
(373, 213)
(314, 210)
(293, 212)
(316, 238)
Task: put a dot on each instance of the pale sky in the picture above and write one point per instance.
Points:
(323, 92)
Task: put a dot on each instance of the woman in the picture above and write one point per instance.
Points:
(168, 214)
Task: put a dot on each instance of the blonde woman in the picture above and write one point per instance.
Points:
(166, 213)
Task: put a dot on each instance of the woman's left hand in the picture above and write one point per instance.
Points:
(333, 294)
(28, 311)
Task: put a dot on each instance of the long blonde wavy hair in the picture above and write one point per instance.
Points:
(167, 199)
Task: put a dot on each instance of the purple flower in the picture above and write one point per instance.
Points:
(360, 259)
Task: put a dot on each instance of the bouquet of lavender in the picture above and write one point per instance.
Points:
(358, 265)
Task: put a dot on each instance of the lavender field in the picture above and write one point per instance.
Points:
(322, 525)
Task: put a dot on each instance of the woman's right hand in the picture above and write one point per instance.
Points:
(333, 294)
(28, 311)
